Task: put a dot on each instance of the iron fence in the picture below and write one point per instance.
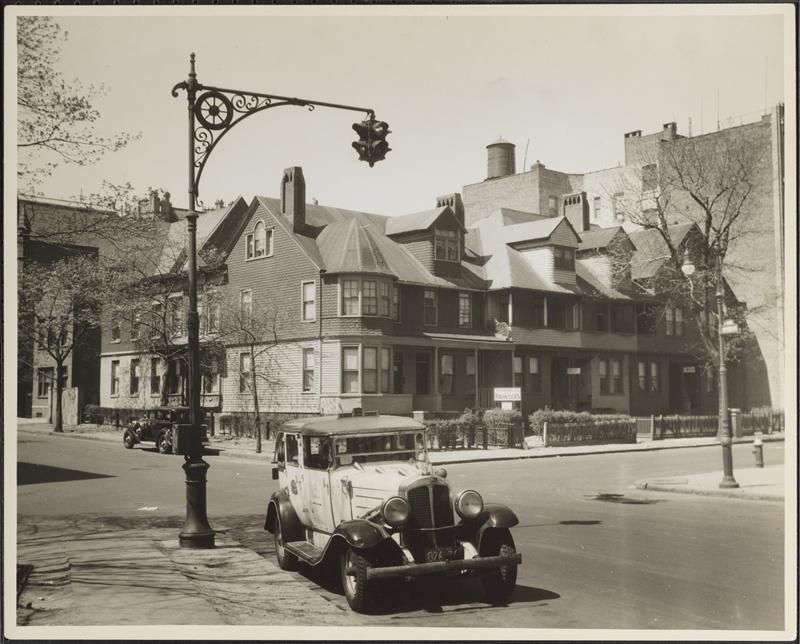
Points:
(589, 433)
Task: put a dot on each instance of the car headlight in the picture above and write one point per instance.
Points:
(395, 511)
(469, 504)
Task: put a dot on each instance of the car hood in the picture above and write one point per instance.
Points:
(375, 483)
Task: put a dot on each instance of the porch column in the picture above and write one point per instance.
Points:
(435, 370)
(475, 351)
(510, 308)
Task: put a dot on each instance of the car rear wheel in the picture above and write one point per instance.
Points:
(286, 560)
(499, 583)
(359, 592)
(128, 439)
(164, 443)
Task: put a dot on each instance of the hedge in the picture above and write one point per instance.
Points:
(494, 427)
(569, 427)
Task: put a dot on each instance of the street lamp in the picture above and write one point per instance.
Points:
(726, 327)
(213, 111)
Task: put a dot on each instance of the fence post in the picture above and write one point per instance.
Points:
(652, 427)
(485, 436)
(544, 434)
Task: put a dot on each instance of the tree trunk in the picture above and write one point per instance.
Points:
(164, 382)
(59, 420)
(254, 389)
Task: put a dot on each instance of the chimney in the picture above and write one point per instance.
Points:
(669, 131)
(456, 204)
(576, 210)
(293, 198)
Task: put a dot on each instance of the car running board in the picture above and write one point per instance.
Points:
(306, 551)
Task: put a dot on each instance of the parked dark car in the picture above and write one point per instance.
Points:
(156, 425)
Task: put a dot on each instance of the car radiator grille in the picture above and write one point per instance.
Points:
(429, 525)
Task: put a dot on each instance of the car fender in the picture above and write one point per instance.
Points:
(494, 515)
(361, 534)
(280, 505)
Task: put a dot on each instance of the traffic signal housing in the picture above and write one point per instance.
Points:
(372, 145)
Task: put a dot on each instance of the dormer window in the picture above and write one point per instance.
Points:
(259, 242)
(447, 245)
(563, 258)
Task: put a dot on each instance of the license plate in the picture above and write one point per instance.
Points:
(442, 554)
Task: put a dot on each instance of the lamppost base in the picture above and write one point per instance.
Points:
(196, 532)
(728, 482)
(201, 540)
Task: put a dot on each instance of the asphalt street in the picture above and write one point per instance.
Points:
(596, 553)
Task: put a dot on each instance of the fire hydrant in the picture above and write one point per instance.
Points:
(758, 450)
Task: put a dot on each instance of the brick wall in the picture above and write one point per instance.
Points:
(517, 191)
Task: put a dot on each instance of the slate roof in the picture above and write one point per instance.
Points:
(414, 222)
(651, 249)
(173, 250)
(598, 238)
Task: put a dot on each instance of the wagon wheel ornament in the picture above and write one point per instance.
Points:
(214, 110)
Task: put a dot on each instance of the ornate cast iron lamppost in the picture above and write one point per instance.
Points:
(213, 111)
(727, 327)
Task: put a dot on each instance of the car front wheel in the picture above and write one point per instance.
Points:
(286, 560)
(359, 592)
(499, 583)
(128, 440)
(165, 443)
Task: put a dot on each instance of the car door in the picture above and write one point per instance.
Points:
(294, 476)
(317, 457)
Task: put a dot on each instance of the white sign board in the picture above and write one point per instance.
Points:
(573, 371)
(507, 405)
(688, 370)
(507, 394)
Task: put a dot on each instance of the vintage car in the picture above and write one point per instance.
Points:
(156, 425)
(360, 491)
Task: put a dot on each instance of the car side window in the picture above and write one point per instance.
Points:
(317, 452)
(280, 452)
(292, 451)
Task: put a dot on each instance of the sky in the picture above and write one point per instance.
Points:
(565, 87)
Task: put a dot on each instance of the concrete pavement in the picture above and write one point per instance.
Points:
(241, 447)
(755, 483)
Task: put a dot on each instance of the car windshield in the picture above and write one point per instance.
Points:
(399, 446)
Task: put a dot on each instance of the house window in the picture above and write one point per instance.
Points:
(649, 178)
(155, 376)
(670, 321)
(370, 371)
(135, 327)
(538, 313)
(654, 382)
(616, 376)
(464, 309)
(563, 258)
(115, 331)
(115, 377)
(446, 361)
(350, 370)
(601, 317)
(517, 371)
(245, 307)
(430, 307)
(447, 245)
(385, 302)
(212, 314)
(597, 206)
(245, 367)
(135, 377)
(573, 313)
(642, 376)
(249, 243)
(622, 318)
(552, 206)
(386, 362)
(469, 372)
(369, 298)
(43, 379)
(210, 378)
(309, 290)
(603, 370)
(259, 242)
(396, 302)
(350, 297)
(617, 205)
(174, 377)
(157, 313)
(556, 314)
(534, 375)
(308, 369)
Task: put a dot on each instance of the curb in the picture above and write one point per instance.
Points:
(645, 485)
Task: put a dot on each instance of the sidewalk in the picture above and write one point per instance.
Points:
(113, 571)
(240, 447)
(755, 483)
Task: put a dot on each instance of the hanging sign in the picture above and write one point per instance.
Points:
(507, 394)
(573, 371)
(688, 370)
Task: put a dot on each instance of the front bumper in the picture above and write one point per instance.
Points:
(436, 567)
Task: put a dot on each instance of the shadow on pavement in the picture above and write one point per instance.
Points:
(621, 498)
(29, 473)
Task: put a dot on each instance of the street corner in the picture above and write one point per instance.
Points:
(756, 484)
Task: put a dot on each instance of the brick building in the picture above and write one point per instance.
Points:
(431, 310)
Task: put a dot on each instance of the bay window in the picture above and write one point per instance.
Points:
(350, 297)
(386, 362)
(369, 370)
(369, 297)
(385, 302)
(350, 370)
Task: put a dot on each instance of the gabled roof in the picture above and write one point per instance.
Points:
(651, 249)
(591, 283)
(599, 238)
(511, 216)
(351, 247)
(417, 221)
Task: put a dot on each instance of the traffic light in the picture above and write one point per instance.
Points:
(372, 145)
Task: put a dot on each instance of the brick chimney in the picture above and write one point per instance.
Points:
(576, 210)
(293, 198)
(456, 204)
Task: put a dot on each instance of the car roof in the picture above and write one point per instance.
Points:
(336, 425)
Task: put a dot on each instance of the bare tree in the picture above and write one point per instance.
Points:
(707, 182)
(55, 118)
(59, 310)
